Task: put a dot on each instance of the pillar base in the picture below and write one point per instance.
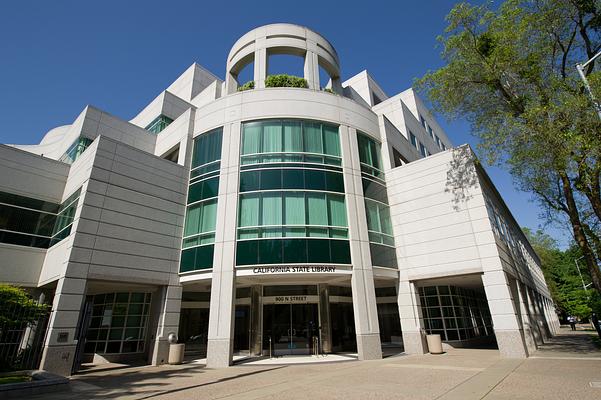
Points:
(511, 344)
(219, 353)
(58, 359)
(160, 353)
(414, 343)
(369, 347)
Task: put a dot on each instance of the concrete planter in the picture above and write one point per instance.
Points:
(176, 353)
(434, 344)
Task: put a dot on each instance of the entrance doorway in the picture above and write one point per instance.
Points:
(291, 328)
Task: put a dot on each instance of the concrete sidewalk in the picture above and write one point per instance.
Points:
(561, 369)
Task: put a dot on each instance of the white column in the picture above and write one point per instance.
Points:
(168, 309)
(61, 344)
(410, 312)
(312, 70)
(223, 295)
(362, 281)
(260, 71)
(505, 318)
(528, 318)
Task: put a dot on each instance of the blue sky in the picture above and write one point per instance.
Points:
(58, 56)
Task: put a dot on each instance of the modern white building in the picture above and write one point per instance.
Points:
(278, 220)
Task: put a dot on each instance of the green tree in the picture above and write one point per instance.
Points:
(18, 308)
(510, 72)
(563, 279)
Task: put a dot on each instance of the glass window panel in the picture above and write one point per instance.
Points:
(295, 251)
(207, 148)
(295, 232)
(272, 209)
(192, 219)
(293, 179)
(209, 216)
(251, 138)
(312, 137)
(270, 251)
(331, 140)
(247, 252)
(385, 222)
(271, 179)
(315, 180)
(210, 188)
(317, 232)
(337, 210)
(204, 256)
(318, 251)
(334, 182)
(317, 209)
(373, 217)
(272, 137)
(340, 251)
(249, 181)
(249, 210)
(294, 204)
(293, 138)
(115, 334)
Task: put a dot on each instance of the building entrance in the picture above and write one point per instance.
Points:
(291, 328)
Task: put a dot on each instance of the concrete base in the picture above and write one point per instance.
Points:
(369, 347)
(219, 353)
(414, 343)
(530, 340)
(58, 359)
(511, 344)
(160, 353)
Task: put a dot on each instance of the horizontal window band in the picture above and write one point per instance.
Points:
(290, 165)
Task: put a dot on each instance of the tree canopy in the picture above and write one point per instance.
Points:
(511, 73)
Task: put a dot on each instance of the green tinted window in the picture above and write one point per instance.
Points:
(289, 214)
(298, 251)
(277, 139)
(207, 148)
(158, 124)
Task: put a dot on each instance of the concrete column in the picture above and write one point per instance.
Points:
(256, 319)
(362, 281)
(527, 317)
(312, 70)
(223, 294)
(551, 316)
(231, 83)
(60, 346)
(505, 318)
(325, 324)
(541, 320)
(167, 305)
(412, 321)
(260, 72)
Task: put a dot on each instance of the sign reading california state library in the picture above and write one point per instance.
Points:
(293, 269)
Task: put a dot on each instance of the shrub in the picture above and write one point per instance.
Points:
(247, 86)
(284, 80)
(17, 308)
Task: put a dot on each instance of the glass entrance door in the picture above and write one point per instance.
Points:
(291, 328)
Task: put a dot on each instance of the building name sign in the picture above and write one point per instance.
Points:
(292, 270)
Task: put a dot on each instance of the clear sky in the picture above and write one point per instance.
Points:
(58, 56)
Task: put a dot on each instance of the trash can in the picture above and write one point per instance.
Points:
(434, 344)
(176, 353)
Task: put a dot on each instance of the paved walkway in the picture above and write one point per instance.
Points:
(562, 369)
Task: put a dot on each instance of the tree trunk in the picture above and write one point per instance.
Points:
(578, 231)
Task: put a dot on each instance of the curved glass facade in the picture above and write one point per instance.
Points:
(379, 225)
(201, 212)
(292, 207)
